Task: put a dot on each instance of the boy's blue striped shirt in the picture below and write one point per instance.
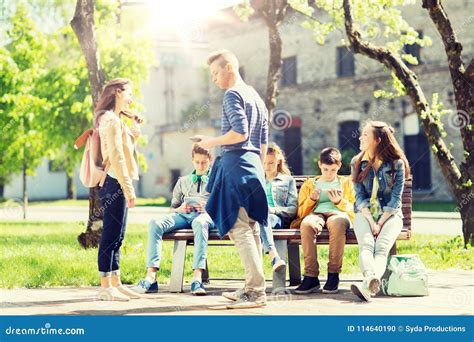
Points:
(244, 112)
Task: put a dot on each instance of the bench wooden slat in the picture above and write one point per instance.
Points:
(278, 234)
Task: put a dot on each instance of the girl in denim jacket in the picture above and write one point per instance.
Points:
(282, 198)
(379, 174)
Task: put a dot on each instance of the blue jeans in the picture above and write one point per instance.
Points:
(200, 223)
(266, 235)
(114, 208)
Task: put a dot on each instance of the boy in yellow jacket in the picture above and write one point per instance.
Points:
(326, 200)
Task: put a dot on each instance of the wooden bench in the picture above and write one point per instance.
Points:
(287, 243)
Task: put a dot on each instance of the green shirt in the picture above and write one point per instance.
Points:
(270, 195)
(325, 205)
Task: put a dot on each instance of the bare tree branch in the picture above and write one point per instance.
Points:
(462, 80)
(451, 45)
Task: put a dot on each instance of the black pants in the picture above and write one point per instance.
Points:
(114, 207)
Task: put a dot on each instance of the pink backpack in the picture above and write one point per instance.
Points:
(93, 168)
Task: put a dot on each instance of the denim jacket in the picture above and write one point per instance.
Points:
(390, 188)
(285, 196)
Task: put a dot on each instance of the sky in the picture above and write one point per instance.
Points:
(185, 17)
(183, 20)
(173, 13)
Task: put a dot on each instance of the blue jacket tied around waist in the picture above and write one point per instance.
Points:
(237, 180)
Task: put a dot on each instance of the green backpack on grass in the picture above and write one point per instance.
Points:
(408, 276)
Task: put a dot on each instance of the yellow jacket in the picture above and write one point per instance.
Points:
(118, 146)
(306, 205)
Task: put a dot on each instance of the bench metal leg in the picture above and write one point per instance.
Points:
(279, 278)
(205, 275)
(177, 266)
(294, 264)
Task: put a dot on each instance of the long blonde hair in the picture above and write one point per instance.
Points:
(275, 150)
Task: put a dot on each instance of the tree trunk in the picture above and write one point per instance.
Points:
(84, 27)
(71, 187)
(466, 209)
(25, 190)
(274, 67)
(2, 190)
(465, 198)
(463, 86)
(273, 12)
(91, 238)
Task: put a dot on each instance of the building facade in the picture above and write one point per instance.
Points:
(325, 95)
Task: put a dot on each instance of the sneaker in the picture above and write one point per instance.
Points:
(112, 294)
(144, 286)
(278, 264)
(197, 288)
(361, 291)
(309, 284)
(233, 295)
(373, 284)
(332, 283)
(247, 301)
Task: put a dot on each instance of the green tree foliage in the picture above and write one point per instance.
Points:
(45, 98)
(22, 63)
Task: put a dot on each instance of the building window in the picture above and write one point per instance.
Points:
(418, 152)
(293, 147)
(288, 71)
(348, 142)
(414, 50)
(348, 135)
(345, 62)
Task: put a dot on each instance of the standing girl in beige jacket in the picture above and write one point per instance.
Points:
(117, 194)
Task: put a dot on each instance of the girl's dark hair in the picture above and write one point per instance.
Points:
(107, 99)
(388, 150)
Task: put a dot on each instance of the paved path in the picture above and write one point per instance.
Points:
(451, 293)
(423, 222)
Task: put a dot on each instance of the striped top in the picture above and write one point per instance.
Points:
(244, 112)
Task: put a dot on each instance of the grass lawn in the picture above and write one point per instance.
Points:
(434, 206)
(48, 254)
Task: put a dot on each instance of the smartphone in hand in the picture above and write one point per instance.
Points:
(192, 202)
